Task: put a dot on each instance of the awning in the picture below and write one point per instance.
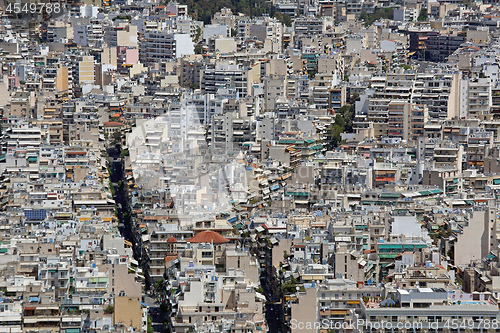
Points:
(30, 320)
(259, 229)
(260, 297)
(72, 319)
(339, 312)
(302, 202)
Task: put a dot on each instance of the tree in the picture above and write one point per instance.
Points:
(343, 123)
(283, 18)
(150, 325)
(355, 97)
(198, 49)
(198, 34)
(335, 131)
(422, 16)
(117, 137)
(109, 310)
(379, 13)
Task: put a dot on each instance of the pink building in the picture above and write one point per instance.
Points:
(14, 82)
(127, 55)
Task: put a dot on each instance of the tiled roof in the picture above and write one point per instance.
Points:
(208, 237)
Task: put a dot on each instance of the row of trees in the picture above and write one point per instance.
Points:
(204, 10)
(344, 118)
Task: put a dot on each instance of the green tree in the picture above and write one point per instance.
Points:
(198, 34)
(347, 113)
(283, 18)
(117, 137)
(379, 13)
(198, 49)
(335, 131)
(422, 16)
(343, 124)
(150, 325)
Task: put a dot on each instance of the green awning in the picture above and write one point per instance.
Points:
(4, 250)
(436, 191)
(390, 195)
(310, 141)
(298, 194)
(388, 255)
(32, 159)
(496, 181)
(470, 202)
(490, 256)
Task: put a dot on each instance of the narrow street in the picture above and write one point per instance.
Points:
(271, 287)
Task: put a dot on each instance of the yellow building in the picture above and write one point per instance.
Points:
(62, 78)
(128, 312)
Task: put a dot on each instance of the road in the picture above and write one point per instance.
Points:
(154, 312)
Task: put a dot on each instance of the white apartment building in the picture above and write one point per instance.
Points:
(164, 44)
(88, 35)
(225, 76)
(475, 97)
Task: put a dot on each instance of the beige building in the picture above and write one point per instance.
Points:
(274, 87)
(86, 70)
(304, 312)
(108, 56)
(62, 83)
(128, 312)
(478, 238)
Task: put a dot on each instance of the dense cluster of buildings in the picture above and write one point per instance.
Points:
(339, 173)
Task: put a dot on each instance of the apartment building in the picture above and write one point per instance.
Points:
(88, 33)
(164, 44)
(427, 308)
(121, 36)
(233, 77)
